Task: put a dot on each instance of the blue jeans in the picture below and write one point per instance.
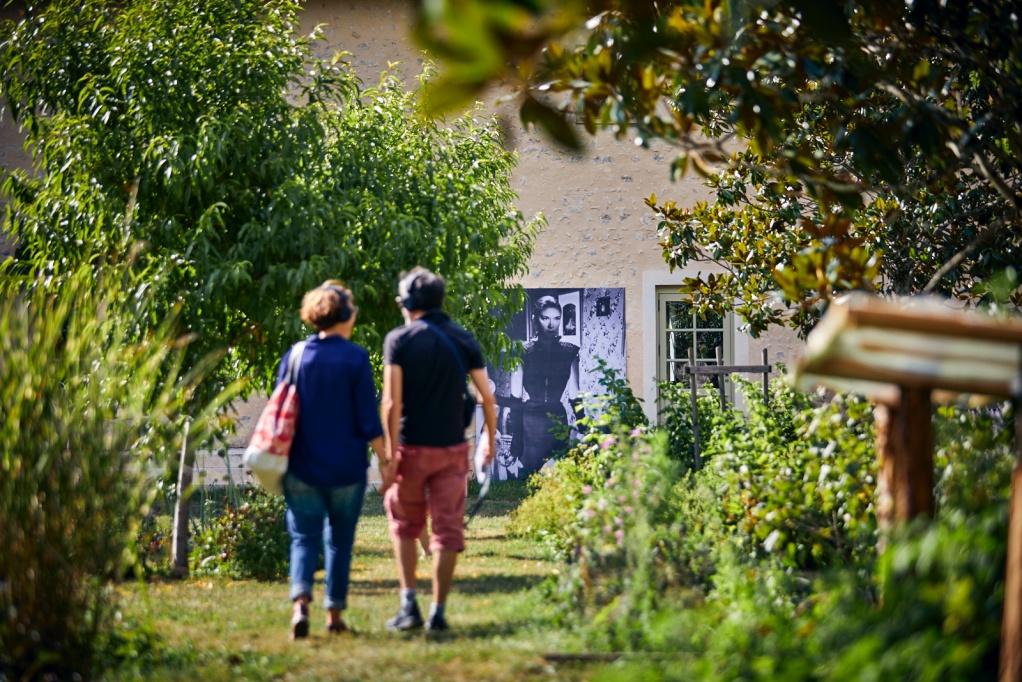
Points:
(315, 515)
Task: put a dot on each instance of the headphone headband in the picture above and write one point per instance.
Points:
(346, 311)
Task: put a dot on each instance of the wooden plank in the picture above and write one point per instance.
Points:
(584, 657)
(1011, 620)
(851, 369)
(932, 319)
(694, 396)
(718, 354)
(727, 369)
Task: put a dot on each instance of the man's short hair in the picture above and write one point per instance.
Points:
(420, 289)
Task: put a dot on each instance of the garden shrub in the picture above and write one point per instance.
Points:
(549, 513)
(90, 418)
(797, 481)
(762, 564)
(249, 541)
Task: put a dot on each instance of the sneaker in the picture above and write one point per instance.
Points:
(437, 623)
(338, 627)
(407, 618)
(300, 624)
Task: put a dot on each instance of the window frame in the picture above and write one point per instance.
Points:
(670, 295)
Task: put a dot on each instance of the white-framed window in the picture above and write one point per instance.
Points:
(680, 330)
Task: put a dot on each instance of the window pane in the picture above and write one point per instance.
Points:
(679, 315)
(707, 343)
(711, 321)
(678, 345)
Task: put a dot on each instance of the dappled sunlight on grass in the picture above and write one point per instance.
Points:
(225, 629)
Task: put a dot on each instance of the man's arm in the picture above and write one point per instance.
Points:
(482, 384)
(391, 407)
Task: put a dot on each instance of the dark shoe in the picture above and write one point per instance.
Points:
(338, 627)
(437, 623)
(300, 624)
(407, 618)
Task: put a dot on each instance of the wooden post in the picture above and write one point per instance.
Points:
(905, 451)
(766, 379)
(719, 355)
(1011, 620)
(694, 392)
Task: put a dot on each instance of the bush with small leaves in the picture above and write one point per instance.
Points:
(249, 541)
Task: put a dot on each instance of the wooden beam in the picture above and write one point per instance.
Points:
(966, 324)
(693, 382)
(1011, 621)
(840, 367)
(905, 453)
(728, 369)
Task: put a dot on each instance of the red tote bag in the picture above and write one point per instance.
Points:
(267, 453)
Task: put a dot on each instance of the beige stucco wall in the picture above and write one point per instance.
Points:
(599, 234)
(12, 153)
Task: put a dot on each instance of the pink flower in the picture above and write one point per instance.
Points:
(628, 509)
(620, 536)
(588, 514)
(608, 443)
(587, 489)
(636, 432)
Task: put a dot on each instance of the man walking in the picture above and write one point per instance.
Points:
(425, 416)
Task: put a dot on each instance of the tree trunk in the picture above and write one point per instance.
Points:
(179, 556)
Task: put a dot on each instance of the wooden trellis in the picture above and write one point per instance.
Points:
(719, 370)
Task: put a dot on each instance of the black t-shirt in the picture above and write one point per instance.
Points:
(433, 386)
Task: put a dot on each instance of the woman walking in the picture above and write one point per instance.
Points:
(326, 478)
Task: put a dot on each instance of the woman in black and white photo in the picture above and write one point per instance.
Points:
(546, 383)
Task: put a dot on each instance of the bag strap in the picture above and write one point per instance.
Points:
(294, 362)
(450, 346)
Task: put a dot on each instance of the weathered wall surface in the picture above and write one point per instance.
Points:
(599, 232)
(12, 152)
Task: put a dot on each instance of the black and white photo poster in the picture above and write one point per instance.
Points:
(564, 332)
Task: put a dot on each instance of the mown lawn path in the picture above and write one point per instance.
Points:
(223, 629)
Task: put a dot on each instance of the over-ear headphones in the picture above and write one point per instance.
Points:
(406, 288)
(346, 311)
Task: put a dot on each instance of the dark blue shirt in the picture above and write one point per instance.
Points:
(337, 413)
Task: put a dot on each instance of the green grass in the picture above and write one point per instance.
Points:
(223, 629)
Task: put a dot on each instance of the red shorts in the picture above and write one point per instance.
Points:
(433, 477)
